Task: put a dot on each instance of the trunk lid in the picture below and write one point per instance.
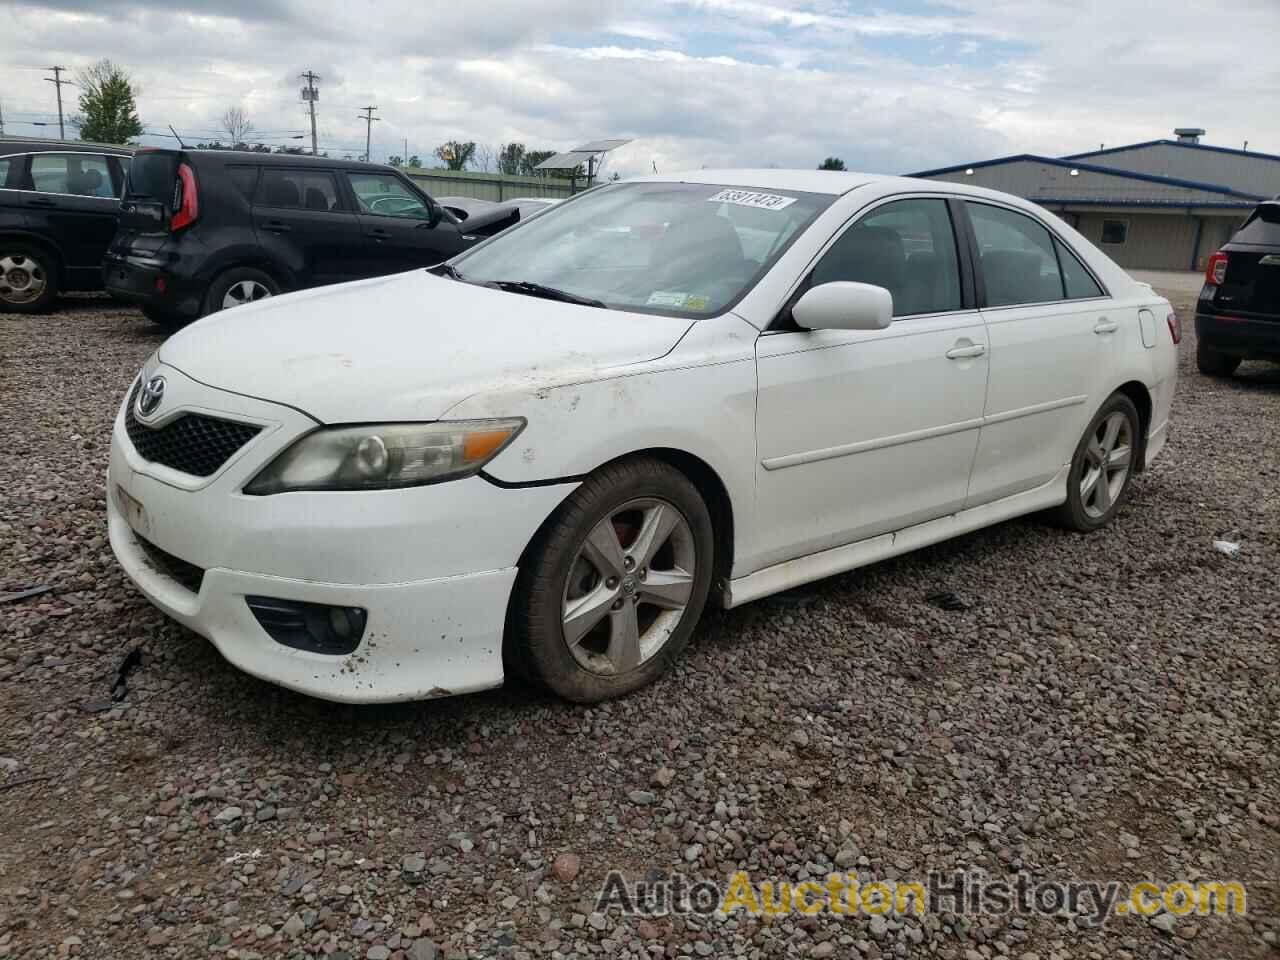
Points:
(148, 201)
(1252, 283)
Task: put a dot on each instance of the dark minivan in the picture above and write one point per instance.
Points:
(1238, 315)
(59, 202)
(203, 230)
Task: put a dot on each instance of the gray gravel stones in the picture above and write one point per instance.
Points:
(1106, 707)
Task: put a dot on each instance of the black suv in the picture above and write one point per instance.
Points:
(1238, 315)
(58, 209)
(202, 230)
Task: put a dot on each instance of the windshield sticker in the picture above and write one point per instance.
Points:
(676, 300)
(746, 198)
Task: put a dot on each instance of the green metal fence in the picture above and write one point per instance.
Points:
(490, 186)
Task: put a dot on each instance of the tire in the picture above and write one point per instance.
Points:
(565, 571)
(1092, 504)
(1215, 364)
(29, 277)
(246, 280)
(166, 319)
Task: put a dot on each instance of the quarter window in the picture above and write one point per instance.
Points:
(297, 189)
(1019, 264)
(908, 247)
(1079, 282)
(1115, 231)
(388, 196)
(78, 174)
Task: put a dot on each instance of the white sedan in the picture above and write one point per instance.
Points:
(552, 452)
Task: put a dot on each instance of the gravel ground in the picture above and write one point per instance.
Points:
(1107, 707)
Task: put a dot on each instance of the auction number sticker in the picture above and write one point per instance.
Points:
(747, 198)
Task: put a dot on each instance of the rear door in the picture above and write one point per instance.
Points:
(398, 229)
(303, 221)
(12, 199)
(72, 199)
(1053, 335)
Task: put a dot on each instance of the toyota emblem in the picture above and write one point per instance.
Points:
(151, 395)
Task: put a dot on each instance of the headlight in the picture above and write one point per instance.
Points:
(383, 456)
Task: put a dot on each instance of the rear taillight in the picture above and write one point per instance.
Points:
(186, 203)
(1216, 272)
(1175, 326)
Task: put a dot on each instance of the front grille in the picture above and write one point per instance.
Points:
(193, 443)
(187, 574)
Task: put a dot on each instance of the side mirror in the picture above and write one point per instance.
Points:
(844, 305)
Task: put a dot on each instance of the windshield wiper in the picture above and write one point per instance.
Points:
(531, 289)
(447, 270)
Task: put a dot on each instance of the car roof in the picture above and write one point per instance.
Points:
(12, 145)
(830, 182)
(268, 159)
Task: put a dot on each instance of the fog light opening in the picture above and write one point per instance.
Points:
(313, 627)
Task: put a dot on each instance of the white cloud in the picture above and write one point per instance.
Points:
(696, 82)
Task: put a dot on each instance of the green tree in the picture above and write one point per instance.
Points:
(511, 158)
(831, 163)
(414, 161)
(108, 108)
(455, 154)
(396, 161)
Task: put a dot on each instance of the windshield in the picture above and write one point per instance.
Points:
(679, 249)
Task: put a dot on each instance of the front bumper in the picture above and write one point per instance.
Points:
(433, 566)
(1238, 337)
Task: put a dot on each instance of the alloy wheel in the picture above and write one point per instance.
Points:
(245, 291)
(22, 279)
(628, 586)
(1108, 457)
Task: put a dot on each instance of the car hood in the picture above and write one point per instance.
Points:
(409, 347)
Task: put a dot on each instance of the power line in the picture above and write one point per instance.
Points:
(368, 119)
(57, 81)
(311, 95)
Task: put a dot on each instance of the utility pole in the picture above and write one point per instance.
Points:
(311, 95)
(57, 81)
(368, 119)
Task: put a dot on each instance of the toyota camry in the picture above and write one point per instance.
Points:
(552, 452)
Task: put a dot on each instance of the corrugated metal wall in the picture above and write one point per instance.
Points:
(1258, 175)
(489, 186)
(1045, 181)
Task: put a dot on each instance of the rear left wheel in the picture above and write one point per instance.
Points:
(1214, 364)
(615, 583)
(238, 286)
(1102, 467)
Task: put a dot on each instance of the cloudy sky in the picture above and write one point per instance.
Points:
(888, 85)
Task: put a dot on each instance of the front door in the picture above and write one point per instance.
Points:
(864, 432)
(398, 229)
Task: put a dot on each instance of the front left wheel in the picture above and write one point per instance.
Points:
(614, 583)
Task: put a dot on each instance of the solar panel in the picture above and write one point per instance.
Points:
(599, 146)
(566, 161)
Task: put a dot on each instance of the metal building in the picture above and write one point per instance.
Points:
(1163, 204)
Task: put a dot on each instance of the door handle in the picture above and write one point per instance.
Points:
(380, 234)
(41, 203)
(275, 226)
(1105, 326)
(967, 351)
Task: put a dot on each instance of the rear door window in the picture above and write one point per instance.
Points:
(1019, 264)
(77, 174)
(1079, 281)
(297, 189)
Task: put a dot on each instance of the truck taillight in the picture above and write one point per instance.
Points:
(1175, 326)
(1216, 272)
(186, 203)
